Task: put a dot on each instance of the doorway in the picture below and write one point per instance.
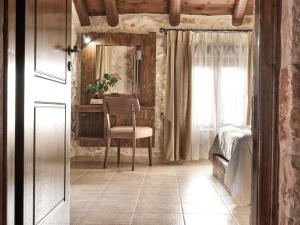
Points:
(266, 102)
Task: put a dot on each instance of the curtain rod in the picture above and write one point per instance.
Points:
(165, 30)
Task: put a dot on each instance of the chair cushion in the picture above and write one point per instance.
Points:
(127, 131)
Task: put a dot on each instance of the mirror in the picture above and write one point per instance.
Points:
(121, 61)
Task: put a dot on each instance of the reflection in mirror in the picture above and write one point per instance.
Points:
(121, 61)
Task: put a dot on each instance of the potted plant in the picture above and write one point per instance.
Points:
(100, 86)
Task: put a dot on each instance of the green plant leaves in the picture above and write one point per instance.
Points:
(101, 85)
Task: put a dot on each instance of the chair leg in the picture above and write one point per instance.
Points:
(133, 153)
(150, 151)
(119, 151)
(106, 152)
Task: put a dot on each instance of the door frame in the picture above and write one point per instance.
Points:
(267, 60)
(267, 55)
(7, 112)
(2, 110)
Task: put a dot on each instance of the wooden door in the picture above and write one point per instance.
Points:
(43, 112)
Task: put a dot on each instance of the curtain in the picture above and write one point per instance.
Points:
(103, 60)
(177, 120)
(250, 78)
(220, 87)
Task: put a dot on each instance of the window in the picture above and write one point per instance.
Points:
(233, 96)
(219, 97)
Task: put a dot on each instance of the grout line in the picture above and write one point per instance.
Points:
(215, 187)
(108, 182)
(83, 174)
(137, 201)
(83, 212)
(91, 201)
(183, 214)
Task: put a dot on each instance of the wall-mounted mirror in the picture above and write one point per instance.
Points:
(122, 61)
(132, 58)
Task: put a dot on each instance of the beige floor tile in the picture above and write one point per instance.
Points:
(93, 181)
(126, 183)
(201, 197)
(210, 219)
(242, 219)
(76, 216)
(160, 179)
(84, 196)
(201, 208)
(76, 174)
(175, 199)
(194, 189)
(126, 190)
(160, 184)
(77, 189)
(80, 206)
(159, 191)
(117, 197)
(157, 207)
(238, 210)
(112, 206)
(193, 179)
(151, 196)
(157, 219)
(99, 218)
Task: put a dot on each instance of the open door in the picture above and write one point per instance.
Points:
(43, 112)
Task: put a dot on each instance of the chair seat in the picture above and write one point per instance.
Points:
(127, 131)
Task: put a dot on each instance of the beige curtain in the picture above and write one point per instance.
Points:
(103, 60)
(177, 121)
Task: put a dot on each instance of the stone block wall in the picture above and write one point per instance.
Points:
(289, 190)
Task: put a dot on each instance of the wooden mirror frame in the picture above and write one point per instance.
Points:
(147, 43)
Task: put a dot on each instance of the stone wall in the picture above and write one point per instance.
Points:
(144, 23)
(75, 81)
(289, 191)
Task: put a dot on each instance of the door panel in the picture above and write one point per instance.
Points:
(49, 152)
(50, 38)
(47, 98)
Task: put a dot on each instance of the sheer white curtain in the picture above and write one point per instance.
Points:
(219, 85)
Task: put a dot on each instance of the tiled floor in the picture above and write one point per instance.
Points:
(160, 195)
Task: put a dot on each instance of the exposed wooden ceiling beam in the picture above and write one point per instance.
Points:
(112, 13)
(174, 12)
(82, 12)
(239, 12)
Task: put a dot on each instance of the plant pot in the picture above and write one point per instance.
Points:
(96, 101)
(97, 95)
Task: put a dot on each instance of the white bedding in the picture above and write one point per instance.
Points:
(235, 145)
(229, 137)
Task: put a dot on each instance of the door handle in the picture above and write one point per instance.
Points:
(70, 50)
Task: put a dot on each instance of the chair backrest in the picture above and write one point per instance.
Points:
(121, 105)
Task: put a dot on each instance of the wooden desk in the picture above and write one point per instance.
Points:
(90, 125)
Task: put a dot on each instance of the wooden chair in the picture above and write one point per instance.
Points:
(122, 106)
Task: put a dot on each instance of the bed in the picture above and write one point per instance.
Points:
(231, 154)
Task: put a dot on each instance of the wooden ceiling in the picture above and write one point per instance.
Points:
(113, 8)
